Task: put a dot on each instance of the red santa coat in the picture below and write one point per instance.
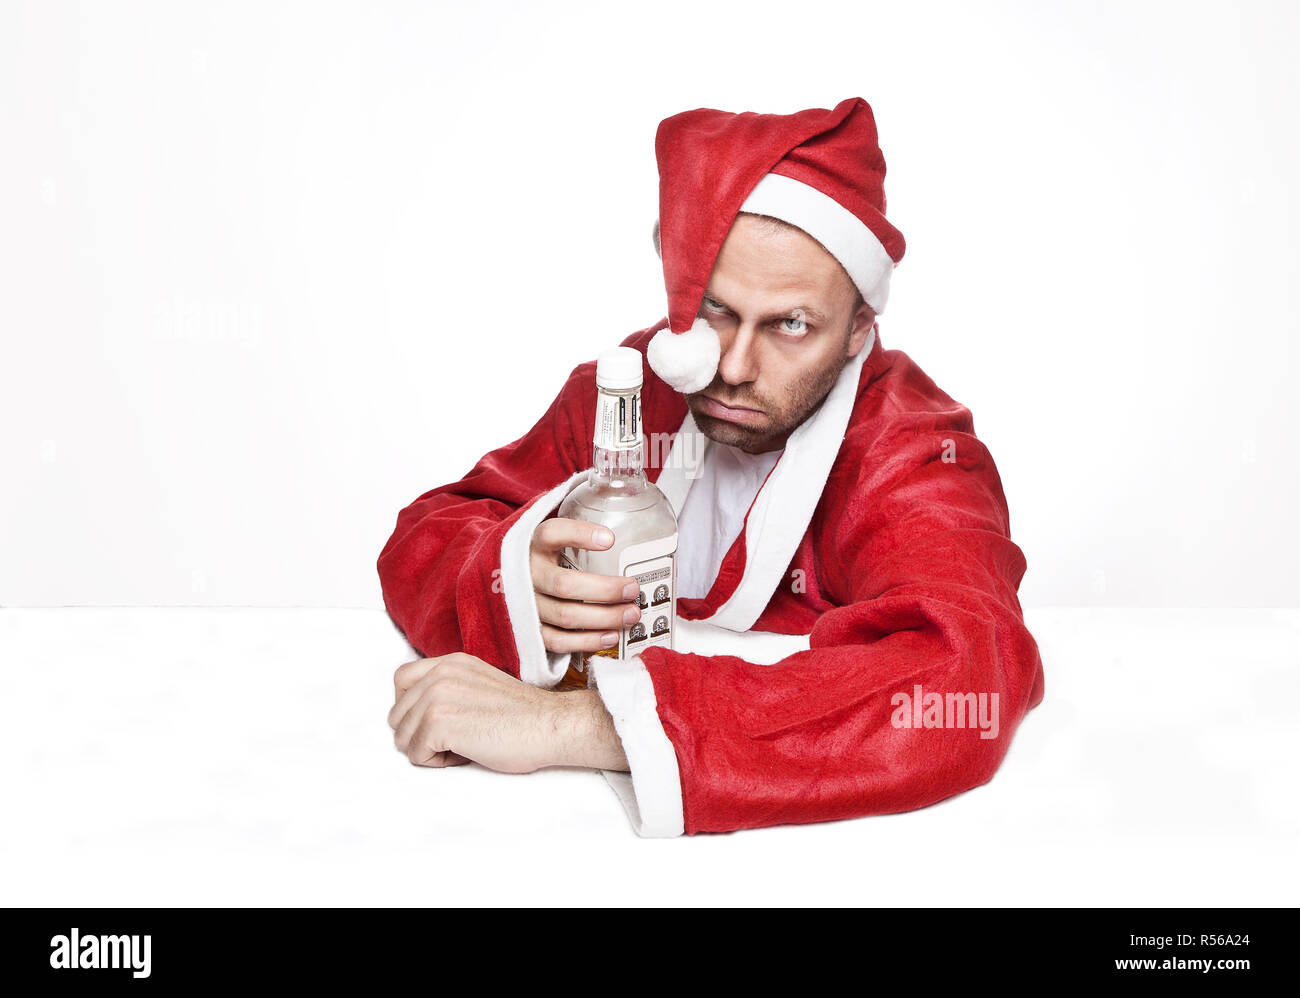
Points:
(874, 572)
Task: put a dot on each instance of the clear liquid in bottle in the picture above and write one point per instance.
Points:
(617, 495)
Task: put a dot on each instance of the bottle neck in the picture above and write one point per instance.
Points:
(618, 448)
(608, 466)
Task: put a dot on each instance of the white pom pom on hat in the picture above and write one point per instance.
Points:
(820, 170)
(686, 361)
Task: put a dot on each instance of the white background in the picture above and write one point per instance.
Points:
(269, 271)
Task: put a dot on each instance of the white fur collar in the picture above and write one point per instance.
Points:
(785, 504)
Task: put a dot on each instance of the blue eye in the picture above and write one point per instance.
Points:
(798, 317)
(713, 305)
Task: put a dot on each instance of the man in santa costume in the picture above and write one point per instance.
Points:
(846, 578)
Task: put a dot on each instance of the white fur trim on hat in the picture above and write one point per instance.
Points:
(686, 361)
(845, 236)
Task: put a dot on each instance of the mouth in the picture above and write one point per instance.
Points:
(730, 413)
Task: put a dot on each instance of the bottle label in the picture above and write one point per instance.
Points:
(618, 421)
(657, 607)
(654, 566)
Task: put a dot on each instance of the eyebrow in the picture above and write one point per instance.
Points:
(808, 310)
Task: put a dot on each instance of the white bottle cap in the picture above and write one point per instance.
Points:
(619, 369)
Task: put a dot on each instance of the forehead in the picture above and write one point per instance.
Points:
(758, 258)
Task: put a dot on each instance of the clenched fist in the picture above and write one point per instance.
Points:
(580, 611)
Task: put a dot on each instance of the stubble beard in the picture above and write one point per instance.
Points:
(802, 400)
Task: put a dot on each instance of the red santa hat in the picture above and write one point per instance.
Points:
(819, 170)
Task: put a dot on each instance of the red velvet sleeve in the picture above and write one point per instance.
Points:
(917, 556)
(446, 582)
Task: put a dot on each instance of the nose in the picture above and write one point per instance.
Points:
(738, 364)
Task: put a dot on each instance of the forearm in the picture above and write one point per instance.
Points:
(585, 734)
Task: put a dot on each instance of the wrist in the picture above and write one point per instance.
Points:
(586, 734)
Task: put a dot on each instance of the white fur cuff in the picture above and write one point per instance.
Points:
(652, 792)
(536, 666)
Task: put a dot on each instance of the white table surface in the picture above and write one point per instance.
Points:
(231, 756)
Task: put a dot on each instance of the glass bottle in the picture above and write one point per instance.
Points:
(618, 495)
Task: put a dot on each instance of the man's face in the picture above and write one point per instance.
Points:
(783, 309)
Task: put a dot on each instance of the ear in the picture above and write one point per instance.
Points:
(863, 319)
